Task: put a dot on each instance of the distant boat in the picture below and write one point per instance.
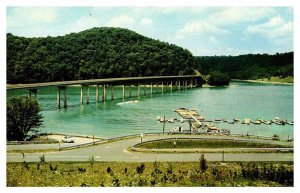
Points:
(266, 122)
(247, 121)
(236, 120)
(171, 120)
(128, 102)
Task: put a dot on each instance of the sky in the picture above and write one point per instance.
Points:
(205, 31)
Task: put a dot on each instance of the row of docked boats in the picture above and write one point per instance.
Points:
(170, 120)
(258, 121)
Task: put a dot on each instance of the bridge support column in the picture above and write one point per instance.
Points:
(32, 91)
(103, 93)
(145, 89)
(191, 83)
(81, 94)
(58, 98)
(185, 84)
(151, 88)
(65, 97)
(139, 89)
(130, 90)
(97, 93)
(64, 88)
(112, 92)
(156, 87)
(171, 86)
(196, 83)
(178, 85)
(123, 91)
(162, 87)
(88, 94)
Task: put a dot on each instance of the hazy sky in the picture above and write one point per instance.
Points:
(202, 30)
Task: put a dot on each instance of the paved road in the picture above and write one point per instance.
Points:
(116, 151)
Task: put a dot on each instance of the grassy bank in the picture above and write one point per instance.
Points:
(187, 143)
(150, 174)
(287, 79)
(273, 80)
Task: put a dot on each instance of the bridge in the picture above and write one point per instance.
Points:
(180, 82)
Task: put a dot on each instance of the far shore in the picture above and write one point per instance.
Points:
(264, 82)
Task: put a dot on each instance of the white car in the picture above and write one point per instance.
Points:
(68, 139)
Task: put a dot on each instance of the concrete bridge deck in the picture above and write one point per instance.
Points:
(127, 80)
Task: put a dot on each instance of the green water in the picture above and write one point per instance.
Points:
(109, 119)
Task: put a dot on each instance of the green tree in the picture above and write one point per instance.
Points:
(23, 117)
(203, 163)
(217, 78)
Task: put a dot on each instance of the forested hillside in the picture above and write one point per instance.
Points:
(95, 53)
(250, 66)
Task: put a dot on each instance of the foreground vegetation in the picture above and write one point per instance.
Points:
(117, 174)
(180, 143)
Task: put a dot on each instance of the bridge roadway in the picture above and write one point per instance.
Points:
(128, 80)
(118, 151)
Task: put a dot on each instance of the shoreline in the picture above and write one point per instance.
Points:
(263, 82)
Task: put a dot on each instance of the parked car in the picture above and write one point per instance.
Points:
(68, 139)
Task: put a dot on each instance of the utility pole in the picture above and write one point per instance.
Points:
(223, 156)
(164, 123)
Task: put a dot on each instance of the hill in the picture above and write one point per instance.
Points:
(250, 66)
(94, 53)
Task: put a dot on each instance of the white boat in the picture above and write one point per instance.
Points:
(128, 102)
(171, 120)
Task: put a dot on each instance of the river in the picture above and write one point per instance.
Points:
(111, 119)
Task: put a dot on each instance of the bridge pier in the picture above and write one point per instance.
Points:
(64, 88)
(139, 90)
(123, 91)
(81, 94)
(156, 88)
(97, 93)
(103, 93)
(88, 94)
(178, 85)
(112, 92)
(162, 87)
(32, 91)
(151, 88)
(58, 98)
(171, 86)
(145, 87)
(130, 90)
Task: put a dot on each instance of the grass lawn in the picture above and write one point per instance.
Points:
(187, 143)
(182, 174)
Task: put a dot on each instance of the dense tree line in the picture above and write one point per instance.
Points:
(95, 53)
(250, 66)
